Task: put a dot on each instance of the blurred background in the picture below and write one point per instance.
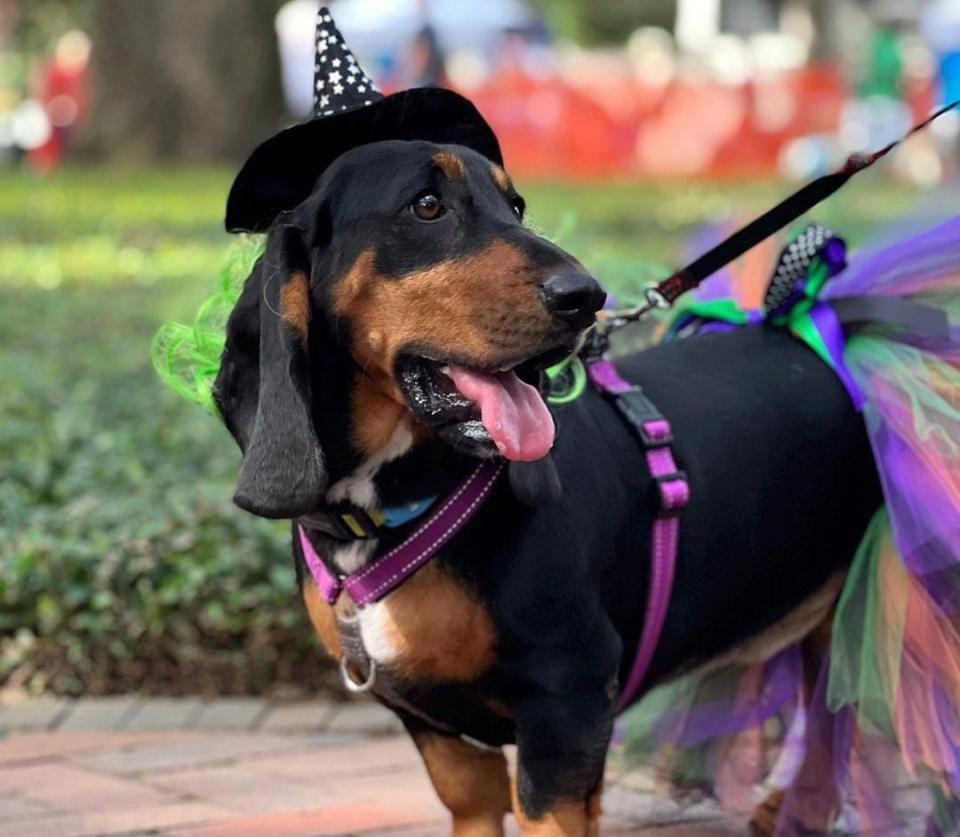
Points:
(640, 131)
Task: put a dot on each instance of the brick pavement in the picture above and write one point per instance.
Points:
(234, 767)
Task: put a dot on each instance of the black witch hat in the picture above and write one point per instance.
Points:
(348, 111)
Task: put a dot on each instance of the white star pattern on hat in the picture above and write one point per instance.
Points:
(339, 81)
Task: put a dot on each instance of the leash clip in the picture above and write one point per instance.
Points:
(655, 299)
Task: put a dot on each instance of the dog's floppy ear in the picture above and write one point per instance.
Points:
(263, 388)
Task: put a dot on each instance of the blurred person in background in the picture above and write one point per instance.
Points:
(878, 112)
(63, 90)
(891, 91)
(940, 26)
(425, 56)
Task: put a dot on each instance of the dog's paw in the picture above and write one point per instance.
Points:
(763, 821)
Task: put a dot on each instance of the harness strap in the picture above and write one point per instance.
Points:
(388, 571)
(673, 494)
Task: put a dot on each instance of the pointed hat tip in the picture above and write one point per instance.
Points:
(339, 82)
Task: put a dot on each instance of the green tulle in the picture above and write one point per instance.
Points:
(187, 357)
(866, 645)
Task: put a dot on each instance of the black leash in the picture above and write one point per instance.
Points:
(664, 294)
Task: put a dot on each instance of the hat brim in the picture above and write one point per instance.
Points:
(281, 172)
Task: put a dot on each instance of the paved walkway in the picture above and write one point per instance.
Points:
(235, 767)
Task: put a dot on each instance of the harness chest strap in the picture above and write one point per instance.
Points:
(388, 571)
(673, 490)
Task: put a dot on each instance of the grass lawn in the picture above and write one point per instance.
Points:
(123, 563)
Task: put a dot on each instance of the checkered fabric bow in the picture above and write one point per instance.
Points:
(787, 284)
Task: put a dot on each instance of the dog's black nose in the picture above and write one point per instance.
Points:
(571, 293)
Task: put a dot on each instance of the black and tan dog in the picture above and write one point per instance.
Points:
(398, 308)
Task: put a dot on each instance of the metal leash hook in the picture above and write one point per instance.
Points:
(610, 320)
(654, 300)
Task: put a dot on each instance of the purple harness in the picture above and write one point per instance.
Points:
(656, 436)
(386, 572)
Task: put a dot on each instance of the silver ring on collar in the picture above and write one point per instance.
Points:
(354, 686)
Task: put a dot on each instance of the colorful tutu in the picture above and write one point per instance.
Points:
(885, 712)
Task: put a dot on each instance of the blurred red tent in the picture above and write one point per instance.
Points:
(553, 128)
(727, 94)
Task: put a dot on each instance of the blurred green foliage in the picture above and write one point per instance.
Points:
(41, 22)
(123, 563)
(608, 22)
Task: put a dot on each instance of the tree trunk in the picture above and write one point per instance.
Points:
(189, 80)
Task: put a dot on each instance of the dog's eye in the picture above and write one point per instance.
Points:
(518, 207)
(427, 207)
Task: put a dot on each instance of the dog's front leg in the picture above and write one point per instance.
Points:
(561, 751)
(471, 782)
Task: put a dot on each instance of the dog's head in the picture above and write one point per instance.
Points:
(404, 298)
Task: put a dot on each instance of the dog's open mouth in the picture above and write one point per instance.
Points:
(482, 411)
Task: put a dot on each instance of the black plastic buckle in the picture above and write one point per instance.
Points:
(343, 522)
(667, 512)
(640, 411)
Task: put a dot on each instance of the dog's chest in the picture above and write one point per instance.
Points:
(431, 628)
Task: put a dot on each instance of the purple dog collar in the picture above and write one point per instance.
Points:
(673, 494)
(388, 571)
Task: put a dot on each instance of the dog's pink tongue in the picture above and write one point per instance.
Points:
(512, 412)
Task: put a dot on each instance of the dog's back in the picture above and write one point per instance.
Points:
(782, 488)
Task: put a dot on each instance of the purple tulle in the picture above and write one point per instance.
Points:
(884, 719)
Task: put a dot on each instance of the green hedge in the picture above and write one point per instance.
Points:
(123, 563)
